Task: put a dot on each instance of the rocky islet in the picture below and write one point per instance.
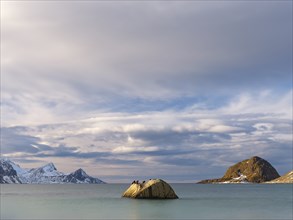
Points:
(152, 189)
(253, 170)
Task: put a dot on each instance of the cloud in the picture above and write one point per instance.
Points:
(265, 102)
(12, 142)
(136, 85)
(187, 138)
(67, 57)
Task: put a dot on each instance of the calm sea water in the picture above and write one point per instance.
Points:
(104, 202)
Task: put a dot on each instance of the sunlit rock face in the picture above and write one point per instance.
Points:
(153, 189)
(287, 178)
(253, 170)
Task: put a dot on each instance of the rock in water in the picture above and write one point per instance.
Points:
(255, 170)
(153, 189)
(287, 178)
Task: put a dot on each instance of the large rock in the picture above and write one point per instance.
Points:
(153, 189)
(287, 178)
(253, 170)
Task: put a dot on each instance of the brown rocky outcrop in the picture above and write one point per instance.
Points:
(253, 170)
(153, 189)
(287, 178)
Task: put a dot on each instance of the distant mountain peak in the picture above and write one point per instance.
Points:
(15, 166)
(80, 172)
(7, 172)
(49, 167)
(5, 159)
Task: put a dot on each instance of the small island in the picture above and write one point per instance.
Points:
(253, 170)
(152, 189)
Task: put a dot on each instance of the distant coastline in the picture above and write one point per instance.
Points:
(253, 170)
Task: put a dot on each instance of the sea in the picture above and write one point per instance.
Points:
(103, 201)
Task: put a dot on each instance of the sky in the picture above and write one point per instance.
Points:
(178, 90)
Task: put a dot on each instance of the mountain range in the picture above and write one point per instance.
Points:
(10, 172)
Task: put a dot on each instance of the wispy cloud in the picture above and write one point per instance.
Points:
(163, 86)
(187, 138)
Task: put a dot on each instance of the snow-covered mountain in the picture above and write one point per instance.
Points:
(44, 174)
(79, 176)
(7, 172)
(13, 173)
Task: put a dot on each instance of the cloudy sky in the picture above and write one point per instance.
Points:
(133, 90)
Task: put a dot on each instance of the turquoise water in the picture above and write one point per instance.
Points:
(233, 201)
